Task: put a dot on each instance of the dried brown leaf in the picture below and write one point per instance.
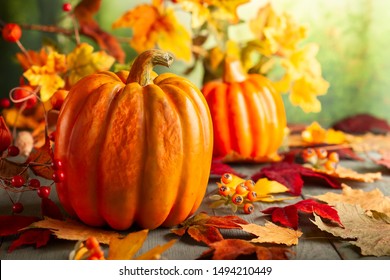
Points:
(372, 200)
(370, 230)
(73, 230)
(271, 233)
(346, 173)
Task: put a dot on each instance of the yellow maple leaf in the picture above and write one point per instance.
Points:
(47, 76)
(316, 134)
(82, 61)
(155, 25)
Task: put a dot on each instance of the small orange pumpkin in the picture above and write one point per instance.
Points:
(134, 149)
(248, 114)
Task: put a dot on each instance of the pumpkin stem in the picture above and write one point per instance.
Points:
(233, 71)
(142, 68)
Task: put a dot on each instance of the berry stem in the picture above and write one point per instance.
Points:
(21, 47)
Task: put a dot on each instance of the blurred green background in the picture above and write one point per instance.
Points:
(353, 36)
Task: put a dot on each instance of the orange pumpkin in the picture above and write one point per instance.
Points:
(248, 115)
(134, 149)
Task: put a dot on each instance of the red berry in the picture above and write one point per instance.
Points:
(12, 32)
(13, 151)
(21, 93)
(5, 103)
(237, 199)
(43, 192)
(58, 176)
(224, 191)
(17, 181)
(334, 156)
(250, 185)
(52, 136)
(248, 208)
(321, 153)
(67, 7)
(241, 189)
(57, 164)
(91, 243)
(17, 208)
(34, 183)
(57, 99)
(252, 196)
(226, 178)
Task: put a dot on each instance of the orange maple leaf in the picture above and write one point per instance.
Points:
(155, 25)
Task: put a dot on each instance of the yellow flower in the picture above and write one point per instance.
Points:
(47, 76)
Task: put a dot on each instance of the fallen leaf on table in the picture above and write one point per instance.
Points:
(125, 248)
(73, 230)
(292, 176)
(219, 168)
(384, 160)
(371, 142)
(362, 123)
(231, 249)
(155, 253)
(346, 173)
(37, 237)
(370, 229)
(288, 215)
(11, 224)
(371, 200)
(264, 189)
(205, 228)
(315, 134)
(50, 209)
(271, 233)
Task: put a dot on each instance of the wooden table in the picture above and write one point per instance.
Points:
(313, 245)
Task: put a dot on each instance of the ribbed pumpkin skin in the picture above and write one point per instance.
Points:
(132, 153)
(248, 116)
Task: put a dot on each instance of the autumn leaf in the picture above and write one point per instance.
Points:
(40, 160)
(316, 134)
(204, 228)
(347, 173)
(50, 209)
(265, 187)
(362, 123)
(371, 142)
(231, 249)
(125, 248)
(10, 225)
(84, 13)
(82, 61)
(384, 160)
(219, 168)
(155, 25)
(371, 200)
(292, 176)
(236, 157)
(9, 168)
(37, 237)
(48, 76)
(370, 230)
(288, 215)
(73, 230)
(271, 233)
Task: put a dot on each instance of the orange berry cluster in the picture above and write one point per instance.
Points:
(241, 195)
(320, 158)
(88, 250)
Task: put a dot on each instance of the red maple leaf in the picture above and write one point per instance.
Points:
(10, 225)
(50, 209)
(205, 228)
(288, 215)
(293, 176)
(219, 168)
(36, 236)
(362, 123)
